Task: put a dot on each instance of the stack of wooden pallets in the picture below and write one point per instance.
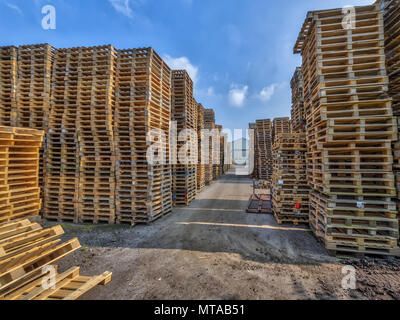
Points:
(124, 138)
(289, 189)
(151, 111)
(264, 135)
(350, 129)
(34, 92)
(96, 99)
(184, 113)
(281, 125)
(8, 85)
(391, 10)
(298, 120)
(218, 155)
(209, 124)
(28, 254)
(20, 192)
(201, 169)
(62, 145)
(253, 126)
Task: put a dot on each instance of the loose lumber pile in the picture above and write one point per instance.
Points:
(20, 190)
(8, 85)
(350, 128)
(28, 254)
(264, 139)
(209, 124)
(391, 11)
(184, 112)
(289, 189)
(201, 167)
(298, 120)
(281, 125)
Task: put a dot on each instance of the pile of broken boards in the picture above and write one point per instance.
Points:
(28, 254)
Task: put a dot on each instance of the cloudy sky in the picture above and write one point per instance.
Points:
(238, 52)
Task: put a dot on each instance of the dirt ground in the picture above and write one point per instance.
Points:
(214, 250)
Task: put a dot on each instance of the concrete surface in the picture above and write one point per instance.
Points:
(214, 250)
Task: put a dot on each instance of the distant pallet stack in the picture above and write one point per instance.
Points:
(298, 121)
(201, 168)
(281, 125)
(20, 192)
(184, 112)
(350, 129)
(62, 145)
(8, 85)
(217, 166)
(96, 99)
(289, 189)
(253, 126)
(391, 10)
(264, 149)
(34, 91)
(209, 124)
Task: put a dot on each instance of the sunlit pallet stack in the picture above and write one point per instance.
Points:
(184, 112)
(62, 145)
(350, 128)
(253, 126)
(289, 189)
(264, 135)
(96, 99)
(391, 11)
(124, 138)
(8, 85)
(298, 120)
(201, 168)
(281, 125)
(217, 156)
(34, 91)
(209, 124)
(28, 257)
(151, 111)
(20, 192)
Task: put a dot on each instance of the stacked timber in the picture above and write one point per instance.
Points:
(201, 169)
(289, 189)
(264, 139)
(281, 125)
(151, 112)
(350, 128)
(391, 9)
(209, 124)
(28, 257)
(62, 145)
(34, 91)
(20, 190)
(298, 120)
(124, 138)
(96, 99)
(184, 113)
(8, 85)
(253, 126)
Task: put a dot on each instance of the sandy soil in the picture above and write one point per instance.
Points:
(214, 250)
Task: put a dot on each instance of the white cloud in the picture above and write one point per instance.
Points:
(237, 95)
(182, 63)
(122, 6)
(14, 7)
(267, 92)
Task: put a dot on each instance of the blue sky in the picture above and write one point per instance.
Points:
(238, 52)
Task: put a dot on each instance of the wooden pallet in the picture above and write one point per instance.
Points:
(25, 249)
